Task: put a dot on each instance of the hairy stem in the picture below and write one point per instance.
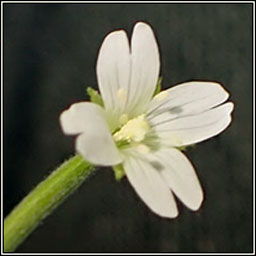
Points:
(42, 200)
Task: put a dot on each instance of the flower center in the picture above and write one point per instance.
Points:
(133, 131)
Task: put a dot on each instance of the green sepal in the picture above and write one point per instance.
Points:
(158, 86)
(184, 148)
(119, 171)
(95, 96)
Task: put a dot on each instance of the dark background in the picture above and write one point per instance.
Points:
(50, 52)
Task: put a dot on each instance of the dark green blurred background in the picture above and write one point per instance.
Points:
(50, 52)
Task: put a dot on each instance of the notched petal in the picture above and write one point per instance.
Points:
(151, 188)
(179, 174)
(73, 120)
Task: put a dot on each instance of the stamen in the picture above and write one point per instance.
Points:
(122, 95)
(123, 119)
(134, 130)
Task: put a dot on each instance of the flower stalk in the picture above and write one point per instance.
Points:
(41, 201)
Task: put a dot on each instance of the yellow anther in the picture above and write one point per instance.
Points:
(142, 148)
(175, 139)
(162, 95)
(122, 95)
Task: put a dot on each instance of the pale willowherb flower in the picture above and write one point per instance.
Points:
(144, 132)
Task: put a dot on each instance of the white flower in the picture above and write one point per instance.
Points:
(141, 131)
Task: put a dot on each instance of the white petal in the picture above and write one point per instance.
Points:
(180, 175)
(150, 186)
(186, 98)
(190, 129)
(145, 67)
(113, 70)
(95, 142)
(97, 147)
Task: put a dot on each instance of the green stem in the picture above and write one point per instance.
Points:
(41, 201)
